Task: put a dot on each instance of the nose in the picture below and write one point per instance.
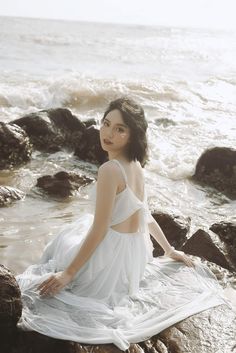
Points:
(110, 133)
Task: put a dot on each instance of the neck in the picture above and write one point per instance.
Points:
(119, 156)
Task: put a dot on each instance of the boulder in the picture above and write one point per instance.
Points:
(90, 148)
(10, 304)
(62, 184)
(217, 168)
(9, 195)
(53, 129)
(175, 229)
(15, 147)
(227, 233)
(208, 247)
(211, 331)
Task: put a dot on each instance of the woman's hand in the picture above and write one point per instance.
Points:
(181, 256)
(54, 283)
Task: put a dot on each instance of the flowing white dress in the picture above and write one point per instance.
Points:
(122, 294)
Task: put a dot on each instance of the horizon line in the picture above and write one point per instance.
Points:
(123, 23)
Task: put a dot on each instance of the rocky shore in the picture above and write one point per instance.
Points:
(210, 331)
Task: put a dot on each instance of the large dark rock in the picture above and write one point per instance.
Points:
(9, 195)
(217, 168)
(53, 129)
(62, 184)
(10, 304)
(15, 147)
(175, 229)
(227, 233)
(90, 148)
(206, 247)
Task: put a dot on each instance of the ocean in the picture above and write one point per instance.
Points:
(184, 78)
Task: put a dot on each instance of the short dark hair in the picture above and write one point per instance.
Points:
(133, 116)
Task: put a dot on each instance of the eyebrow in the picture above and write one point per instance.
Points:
(117, 124)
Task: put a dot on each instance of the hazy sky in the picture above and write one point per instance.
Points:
(196, 13)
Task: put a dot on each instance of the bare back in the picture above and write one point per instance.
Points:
(130, 180)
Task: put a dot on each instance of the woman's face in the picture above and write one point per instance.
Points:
(114, 133)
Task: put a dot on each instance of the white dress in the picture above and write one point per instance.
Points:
(122, 294)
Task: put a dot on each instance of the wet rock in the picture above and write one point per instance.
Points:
(208, 247)
(9, 195)
(63, 184)
(90, 148)
(227, 233)
(175, 229)
(211, 331)
(15, 147)
(165, 122)
(10, 304)
(90, 122)
(224, 276)
(217, 168)
(102, 348)
(53, 129)
(34, 342)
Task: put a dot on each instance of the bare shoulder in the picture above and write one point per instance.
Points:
(108, 170)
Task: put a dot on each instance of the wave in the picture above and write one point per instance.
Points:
(82, 93)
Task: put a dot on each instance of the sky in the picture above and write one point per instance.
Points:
(179, 13)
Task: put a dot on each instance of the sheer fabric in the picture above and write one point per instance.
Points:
(122, 294)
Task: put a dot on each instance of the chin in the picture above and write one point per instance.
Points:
(105, 147)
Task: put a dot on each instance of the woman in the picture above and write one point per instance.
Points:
(97, 281)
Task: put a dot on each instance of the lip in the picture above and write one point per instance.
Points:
(107, 142)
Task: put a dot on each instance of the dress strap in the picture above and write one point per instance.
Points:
(122, 169)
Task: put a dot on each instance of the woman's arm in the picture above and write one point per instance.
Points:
(170, 251)
(107, 183)
(157, 233)
(106, 191)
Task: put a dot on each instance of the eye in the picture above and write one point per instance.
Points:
(105, 123)
(119, 129)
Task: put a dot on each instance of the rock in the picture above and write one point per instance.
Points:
(9, 195)
(210, 331)
(227, 233)
(203, 245)
(90, 148)
(53, 129)
(89, 122)
(15, 147)
(224, 276)
(62, 184)
(165, 122)
(10, 304)
(217, 168)
(175, 229)
(102, 348)
(34, 342)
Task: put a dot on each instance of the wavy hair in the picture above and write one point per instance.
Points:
(133, 116)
